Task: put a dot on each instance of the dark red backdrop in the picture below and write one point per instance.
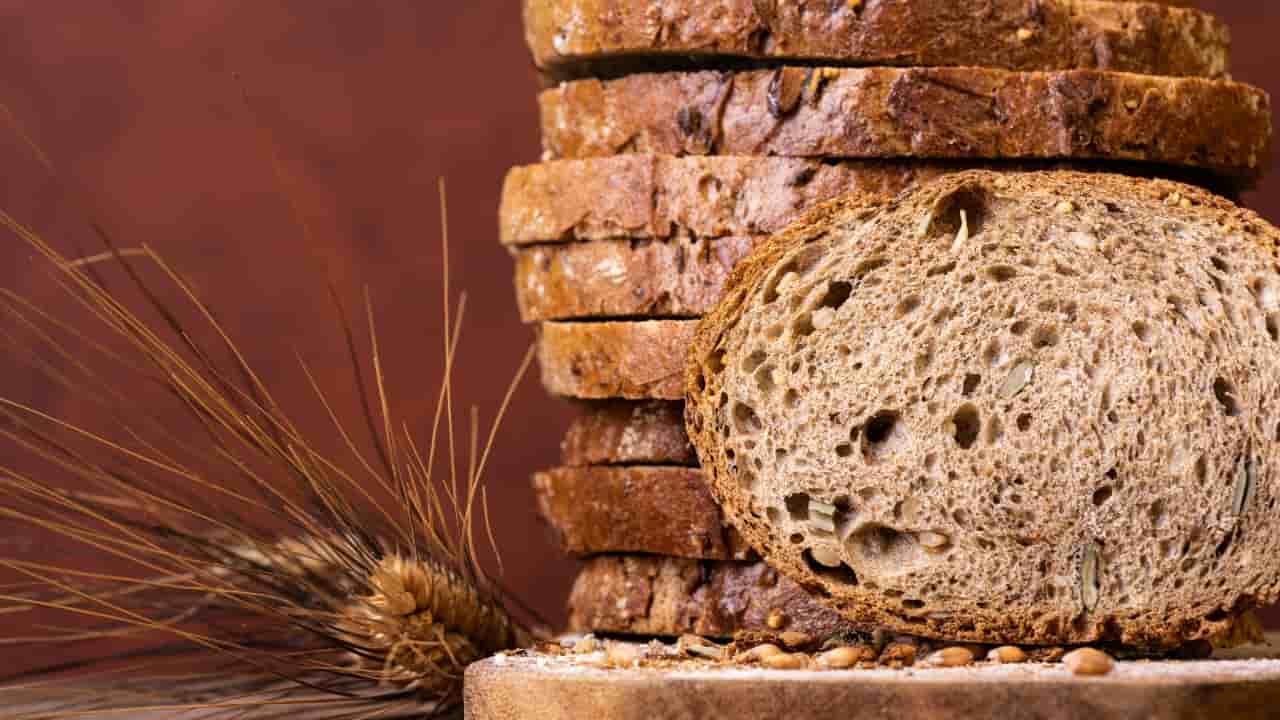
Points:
(138, 104)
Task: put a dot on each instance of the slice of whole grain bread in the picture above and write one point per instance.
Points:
(1030, 408)
(620, 432)
(658, 224)
(639, 360)
(654, 510)
(624, 278)
(651, 595)
(915, 113)
(590, 37)
(664, 197)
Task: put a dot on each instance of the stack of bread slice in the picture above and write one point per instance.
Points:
(678, 134)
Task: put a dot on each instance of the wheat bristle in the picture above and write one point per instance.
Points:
(366, 594)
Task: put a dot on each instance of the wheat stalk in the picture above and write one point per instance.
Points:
(370, 603)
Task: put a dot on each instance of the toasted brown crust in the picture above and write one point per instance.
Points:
(565, 35)
(655, 510)
(645, 595)
(1169, 627)
(545, 686)
(662, 197)
(619, 432)
(645, 197)
(601, 360)
(627, 278)
(915, 113)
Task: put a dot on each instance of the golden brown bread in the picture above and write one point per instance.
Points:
(620, 432)
(647, 595)
(581, 37)
(635, 509)
(664, 197)
(642, 360)
(1028, 408)
(899, 113)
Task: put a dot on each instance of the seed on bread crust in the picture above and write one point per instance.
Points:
(776, 619)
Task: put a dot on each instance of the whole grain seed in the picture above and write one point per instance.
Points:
(1007, 655)
(1088, 661)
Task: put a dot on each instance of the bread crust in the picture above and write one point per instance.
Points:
(652, 510)
(665, 197)
(641, 360)
(626, 278)
(646, 595)
(948, 113)
(1173, 617)
(645, 197)
(619, 432)
(580, 36)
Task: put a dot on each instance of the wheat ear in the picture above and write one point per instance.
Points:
(370, 600)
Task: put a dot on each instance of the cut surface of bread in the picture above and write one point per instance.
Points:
(1007, 408)
(620, 432)
(581, 36)
(648, 595)
(640, 360)
(653, 510)
(915, 113)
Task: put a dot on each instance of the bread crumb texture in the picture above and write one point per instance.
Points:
(1033, 408)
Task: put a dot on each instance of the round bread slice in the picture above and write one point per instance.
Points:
(654, 510)
(591, 37)
(915, 113)
(620, 432)
(1032, 408)
(642, 360)
(650, 595)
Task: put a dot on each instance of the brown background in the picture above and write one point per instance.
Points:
(139, 105)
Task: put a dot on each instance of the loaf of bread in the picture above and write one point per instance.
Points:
(899, 113)
(1032, 408)
(576, 37)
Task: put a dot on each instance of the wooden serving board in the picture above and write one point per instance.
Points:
(569, 687)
